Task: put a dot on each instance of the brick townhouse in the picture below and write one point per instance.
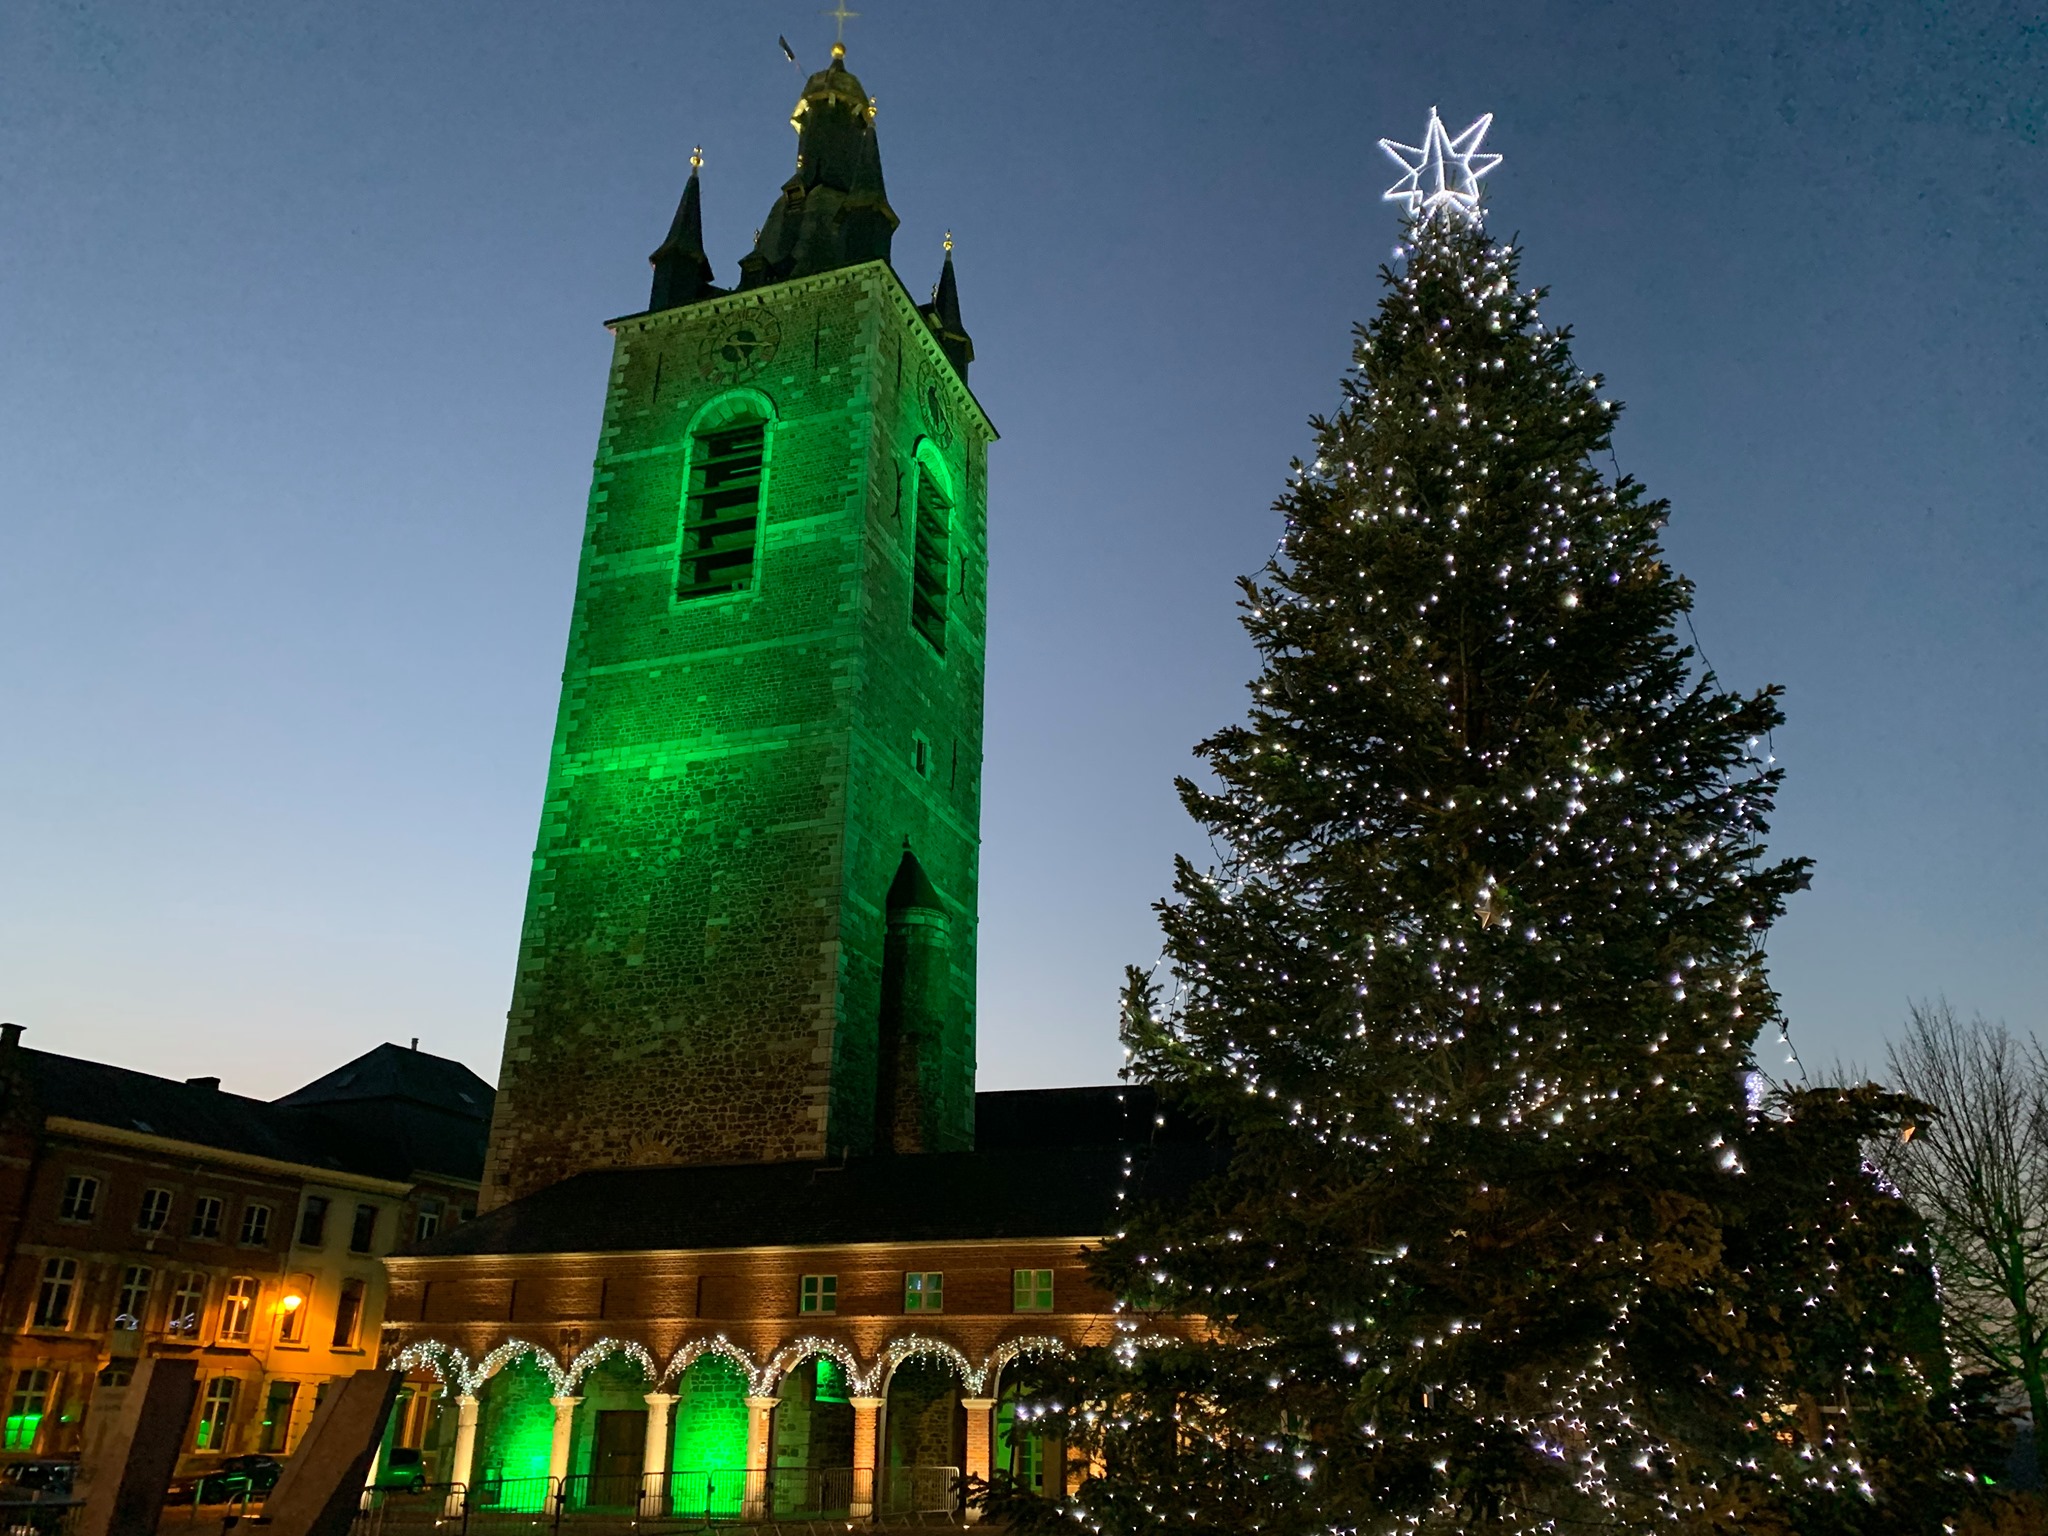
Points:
(145, 1216)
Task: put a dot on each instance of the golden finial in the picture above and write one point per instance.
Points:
(697, 158)
(949, 242)
(838, 49)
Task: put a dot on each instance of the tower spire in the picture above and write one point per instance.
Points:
(943, 316)
(834, 211)
(682, 272)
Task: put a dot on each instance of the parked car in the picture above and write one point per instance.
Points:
(402, 1471)
(37, 1498)
(235, 1479)
(37, 1480)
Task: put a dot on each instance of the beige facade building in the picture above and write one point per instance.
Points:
(154, 1217)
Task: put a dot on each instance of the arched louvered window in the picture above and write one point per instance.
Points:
(931, 553)
(722, 511)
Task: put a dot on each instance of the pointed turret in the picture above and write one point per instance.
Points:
(943, 316)
(682, 272)
(834, 212)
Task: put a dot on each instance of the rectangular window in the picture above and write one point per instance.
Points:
(131, 1302)
(256, 1225)
(313, 1222)
(81, 1200)
(187, 1302)
(931, 561)
(348, 1314)
(155, 1212)
(364, 1230)
(25, 1410)
(206, 1215)
(924, 1292)
(216, 1413)
(1031, 1290)
(277, 1417)
(818, 1293)
(56, 1294)
(292, 1309)
(722, 518)
(428, 1221)
(238, 1310)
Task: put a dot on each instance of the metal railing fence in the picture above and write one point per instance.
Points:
(688, 1498)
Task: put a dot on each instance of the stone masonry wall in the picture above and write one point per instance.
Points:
(734, 778)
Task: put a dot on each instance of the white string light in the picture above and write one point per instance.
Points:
(1442, 172)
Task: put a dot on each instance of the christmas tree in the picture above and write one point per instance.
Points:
(1504, 1240)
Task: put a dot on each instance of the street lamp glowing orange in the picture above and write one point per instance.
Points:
(291, 1301)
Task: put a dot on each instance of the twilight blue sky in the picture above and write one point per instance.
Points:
(301, 366)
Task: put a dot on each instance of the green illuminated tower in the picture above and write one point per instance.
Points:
(750, 930)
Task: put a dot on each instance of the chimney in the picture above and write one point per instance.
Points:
(10, 1036)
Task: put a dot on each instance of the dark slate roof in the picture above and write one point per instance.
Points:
(391, 1136)
(391, 1072)
(197, 1111)
(1076, 1117)
(834, 211)
(1018, 1192)
(1047, 1163)
(432, 1113)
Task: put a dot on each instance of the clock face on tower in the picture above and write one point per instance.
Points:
(931, 404)
(742, 346)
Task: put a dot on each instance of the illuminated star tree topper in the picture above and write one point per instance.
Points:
(1442, 173)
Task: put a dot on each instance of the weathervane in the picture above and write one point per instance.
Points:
(1443, 172)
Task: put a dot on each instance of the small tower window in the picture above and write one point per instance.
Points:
(722, 518)
(931, 560)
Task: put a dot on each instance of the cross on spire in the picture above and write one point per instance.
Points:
(842, 15)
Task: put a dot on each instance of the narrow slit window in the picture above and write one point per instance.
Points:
(931, 561)
(722, 518)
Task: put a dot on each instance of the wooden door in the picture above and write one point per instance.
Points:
(615, 1457)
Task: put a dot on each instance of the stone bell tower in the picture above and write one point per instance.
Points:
(750, 930)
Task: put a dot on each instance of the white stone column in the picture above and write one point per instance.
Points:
(558, 1449)
(654, 1459)
(465, 1452)
(760, 1421)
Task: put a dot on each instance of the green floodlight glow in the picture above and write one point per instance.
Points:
(521, 1436)
(831, 1381)
(711, 1436)
(790, 495)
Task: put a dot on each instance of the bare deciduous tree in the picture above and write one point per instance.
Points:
(1979, 1174)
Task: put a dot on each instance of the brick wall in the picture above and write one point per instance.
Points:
(563, 1303)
